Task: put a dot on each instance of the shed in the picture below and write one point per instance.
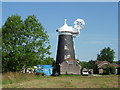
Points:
(70, 66)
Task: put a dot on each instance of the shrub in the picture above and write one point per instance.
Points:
(112, 70)
(107, 71)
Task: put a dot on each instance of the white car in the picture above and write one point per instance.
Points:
(85, 73)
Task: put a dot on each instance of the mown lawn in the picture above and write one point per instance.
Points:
(19, 80)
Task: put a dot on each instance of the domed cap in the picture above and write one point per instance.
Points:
(65, 28)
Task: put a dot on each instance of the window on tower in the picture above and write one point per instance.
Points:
(68, 56)
(65, 57)
(66, 47)
(65, 39)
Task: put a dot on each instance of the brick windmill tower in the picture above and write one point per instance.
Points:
(65, 59)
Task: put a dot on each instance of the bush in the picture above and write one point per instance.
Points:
(109, 70)
(112, 70)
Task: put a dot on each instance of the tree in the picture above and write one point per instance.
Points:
(25, 42)
(48, 61)
(89, 65)
(85, 65)
(11, 43)
(107, 54)
(92, 65)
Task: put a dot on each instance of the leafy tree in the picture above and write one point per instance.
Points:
(92, 65)
(48, 61)
(25, 42)
(89, 65)
(117, 62)
(107, 54)
(35, 41)
(85, 65)
(11, 43)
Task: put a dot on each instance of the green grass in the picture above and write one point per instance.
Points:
(16, 77)
(0, 80)
(20, 80)
(69, 75)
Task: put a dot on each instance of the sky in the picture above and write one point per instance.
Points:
(101, 20)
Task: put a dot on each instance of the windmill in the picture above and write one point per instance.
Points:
(65, 41)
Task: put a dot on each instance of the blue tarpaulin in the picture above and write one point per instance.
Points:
(46, 69)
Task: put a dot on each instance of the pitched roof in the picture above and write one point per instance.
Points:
(115, 65)
(102, 64)
(99, 62)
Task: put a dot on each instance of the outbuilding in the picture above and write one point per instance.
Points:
(70, 66)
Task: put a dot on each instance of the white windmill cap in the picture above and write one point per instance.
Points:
(65, 28)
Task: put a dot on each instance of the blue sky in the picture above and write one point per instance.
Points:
(101, 19)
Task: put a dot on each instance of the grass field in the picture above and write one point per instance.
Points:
(19, 80)
(0, 80)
